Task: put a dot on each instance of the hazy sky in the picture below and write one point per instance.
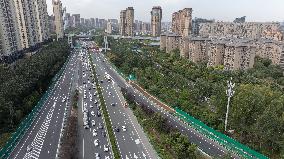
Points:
(225, 10)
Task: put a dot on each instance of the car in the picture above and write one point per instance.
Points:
(102, 81)
(91, 106)
(116, 129)
(95, 134)
(104, 134)
(94, 130)
(99, 113)
(97, 155)
(86, 126)
(106, 149)
(112, 104)
(125, 105)
(93, 113)
(96, 142)
(101, 126)
(96, 102)
(63, 99)
(123, 128)
(95, 93)
(84, 82)
(109, 93)
(93, 122)
(107, 157)
(85, 96)
(90, 88)
(29, 148)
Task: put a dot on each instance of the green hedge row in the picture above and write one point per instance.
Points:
(106, 116)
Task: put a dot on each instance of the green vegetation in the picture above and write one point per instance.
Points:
(167, 141)
(23, 83)
(75, 99)
(106, 115)
(257, 108)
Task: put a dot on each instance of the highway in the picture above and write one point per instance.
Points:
(44, 134)
(132, 141)
(204, 144)
(89, 99)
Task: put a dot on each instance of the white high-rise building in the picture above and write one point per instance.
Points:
(58, 14)
(9, 32)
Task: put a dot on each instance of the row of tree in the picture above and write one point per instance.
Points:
(257, 108)
(23, 83)
(167, 141)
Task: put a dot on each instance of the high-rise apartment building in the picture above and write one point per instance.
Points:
(82, 21)
(196, 22)
(76, 20)
(20, 10)
(9, 33)
(156, 20)
(67, 21)
(24, 24)
(182, 22)
(58, 15)
(127, 22)
(41, 18)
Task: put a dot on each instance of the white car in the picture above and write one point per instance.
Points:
(106, 149)
(91, 106)
(93, 113)
(97, 155)
(109, 93)
(96, 142)
(95, 134)
(107, 157)
(63, 99)
(93, 122)
(123, 128)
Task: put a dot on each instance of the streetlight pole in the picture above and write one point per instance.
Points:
(230, 92)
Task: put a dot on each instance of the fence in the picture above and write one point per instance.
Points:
(27, 122)
(227, 142)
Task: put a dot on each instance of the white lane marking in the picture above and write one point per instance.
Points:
(83, 149)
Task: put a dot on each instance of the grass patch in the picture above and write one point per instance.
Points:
(4, 138)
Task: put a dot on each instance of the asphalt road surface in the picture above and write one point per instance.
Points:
(131, 140)
(89, 100)
(204, 144)
(44, 134)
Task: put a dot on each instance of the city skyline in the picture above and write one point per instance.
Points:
(202, 9)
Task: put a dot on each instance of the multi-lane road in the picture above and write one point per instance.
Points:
(42, 138)
(89, 102)
(204, 144)
(130, 137)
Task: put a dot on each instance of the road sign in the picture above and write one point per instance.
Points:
(132, 77)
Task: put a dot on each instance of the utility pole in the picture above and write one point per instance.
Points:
(230, 92)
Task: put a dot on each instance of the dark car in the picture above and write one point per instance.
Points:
(112, 104)
(104, 134)
(99, 114)
(116, 129)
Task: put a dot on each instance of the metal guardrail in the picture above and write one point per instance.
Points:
(27, 122)
(227, 142)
